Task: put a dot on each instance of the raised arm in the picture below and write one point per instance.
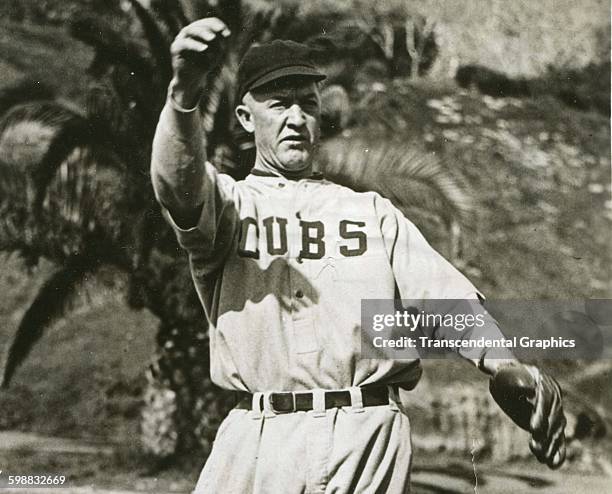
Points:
(200, 204)
(180, 173)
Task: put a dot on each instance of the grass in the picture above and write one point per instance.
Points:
(125, 469)
(87, 368)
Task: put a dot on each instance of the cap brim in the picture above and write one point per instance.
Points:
(293, 71)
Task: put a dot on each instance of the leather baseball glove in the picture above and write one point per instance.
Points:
(533, 400)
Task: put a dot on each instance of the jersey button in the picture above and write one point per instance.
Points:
(281, 184)
(299, 293)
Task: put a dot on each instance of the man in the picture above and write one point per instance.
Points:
(281, 262)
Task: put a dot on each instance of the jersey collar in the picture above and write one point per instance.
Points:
(261, 173)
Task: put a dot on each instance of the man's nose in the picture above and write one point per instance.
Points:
(296, 116)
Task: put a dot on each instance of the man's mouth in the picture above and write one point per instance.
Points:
(296, 138)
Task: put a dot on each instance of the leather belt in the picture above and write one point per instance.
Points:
(302, 401)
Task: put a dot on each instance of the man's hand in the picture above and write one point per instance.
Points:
(532, 399)
(197, 49)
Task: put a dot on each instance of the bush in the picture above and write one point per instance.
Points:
(587, 88)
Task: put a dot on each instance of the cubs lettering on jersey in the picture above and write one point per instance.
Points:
(313, 245)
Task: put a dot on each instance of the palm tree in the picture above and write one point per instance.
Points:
(86, 196)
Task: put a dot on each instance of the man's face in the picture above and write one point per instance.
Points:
(285, 117)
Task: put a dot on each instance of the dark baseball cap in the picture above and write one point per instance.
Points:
(274, 60)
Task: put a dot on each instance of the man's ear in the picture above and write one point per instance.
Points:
(245, 117)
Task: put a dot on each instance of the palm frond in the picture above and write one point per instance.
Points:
(68, 130)
(111, 48)
(104, 111)
(410, 177)
(159, 45)
(53, 199)
(86, 206)
(56, 221)
(25, 133)
(47, 113)
(255, 24)
(335, 110)
(50, 303)
(218, 85)
(171, 14)
(122, 121)
(72, 135)
(15, 225)
(139, 100)
(23, 91)
(193, 9)
(230, 12)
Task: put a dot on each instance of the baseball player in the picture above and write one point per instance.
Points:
(281, 262)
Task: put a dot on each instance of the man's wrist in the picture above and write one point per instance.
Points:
(184, 99)
(491, 365)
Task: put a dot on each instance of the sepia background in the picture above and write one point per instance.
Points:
(485, 121)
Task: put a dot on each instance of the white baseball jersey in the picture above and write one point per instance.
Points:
(281, 267)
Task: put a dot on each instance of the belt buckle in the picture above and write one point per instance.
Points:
(282, 402)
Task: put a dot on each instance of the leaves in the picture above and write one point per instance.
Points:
(27, 144)
(53, 203)
(111, 47)
(159, 44)
(23, 91)
(171, 14)
(50, 303)
(413, 179)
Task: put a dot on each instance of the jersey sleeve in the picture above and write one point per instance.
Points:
(177, 146)
(424, 277)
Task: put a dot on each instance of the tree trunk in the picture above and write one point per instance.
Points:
(183, 408)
